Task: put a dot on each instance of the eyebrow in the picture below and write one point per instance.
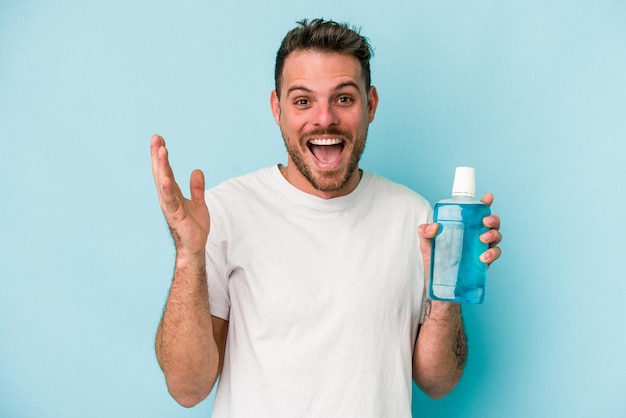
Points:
(299, 88)
(308, 90)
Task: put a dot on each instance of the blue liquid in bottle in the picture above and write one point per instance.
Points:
(456, 273)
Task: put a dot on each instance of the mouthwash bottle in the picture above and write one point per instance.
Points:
(456, 272)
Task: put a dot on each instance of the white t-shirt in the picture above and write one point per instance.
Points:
(323, 297)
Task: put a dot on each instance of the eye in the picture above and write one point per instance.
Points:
(345, 100)
(301, 102)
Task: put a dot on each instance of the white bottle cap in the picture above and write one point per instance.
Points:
(464, 182)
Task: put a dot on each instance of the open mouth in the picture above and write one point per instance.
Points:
(326, 150)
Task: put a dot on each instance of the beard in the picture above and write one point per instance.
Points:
(327, 180)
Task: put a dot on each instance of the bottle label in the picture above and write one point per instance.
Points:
(449, 252)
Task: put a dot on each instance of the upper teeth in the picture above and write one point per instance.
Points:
(325, 141)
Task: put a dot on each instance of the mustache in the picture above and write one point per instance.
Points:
(326, 131)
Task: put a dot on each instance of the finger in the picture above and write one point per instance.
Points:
(492, 222)
(156, 142)
(491, 255)
(491, 237)
(160, 161)
(487, 199)
(169, 193)
(163, 164)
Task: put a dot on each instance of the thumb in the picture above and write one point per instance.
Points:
(426, 233)
(196, 186)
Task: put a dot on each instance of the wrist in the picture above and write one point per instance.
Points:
(190, 259)
(443, 311)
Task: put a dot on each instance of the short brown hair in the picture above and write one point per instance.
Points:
(327, 36)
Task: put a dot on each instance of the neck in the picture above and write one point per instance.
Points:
(296, 179)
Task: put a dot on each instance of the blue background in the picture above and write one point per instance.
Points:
(532, 94)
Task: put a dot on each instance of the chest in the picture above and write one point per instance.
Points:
(297, 270)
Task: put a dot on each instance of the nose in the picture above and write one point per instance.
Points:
(325, 115)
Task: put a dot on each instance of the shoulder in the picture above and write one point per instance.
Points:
(396, 193)
(238, 198)
(242, 193)
(257, 187)
(395, 203)
(247, 182)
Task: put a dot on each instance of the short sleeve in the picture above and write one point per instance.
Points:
(216, 261)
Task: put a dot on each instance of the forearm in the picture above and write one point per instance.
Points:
(441, 349)
(185, 344)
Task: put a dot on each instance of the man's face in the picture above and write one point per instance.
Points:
(323, 113)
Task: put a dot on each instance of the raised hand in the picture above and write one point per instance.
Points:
(188, 219)
(189, 342)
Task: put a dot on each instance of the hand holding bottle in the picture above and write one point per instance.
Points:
(465, 243)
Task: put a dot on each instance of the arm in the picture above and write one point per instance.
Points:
(441, 348)
(189, 342)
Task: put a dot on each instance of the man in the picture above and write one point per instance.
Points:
(304, 289)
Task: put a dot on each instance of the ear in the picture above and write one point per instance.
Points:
(275, 105)
(372, 103)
